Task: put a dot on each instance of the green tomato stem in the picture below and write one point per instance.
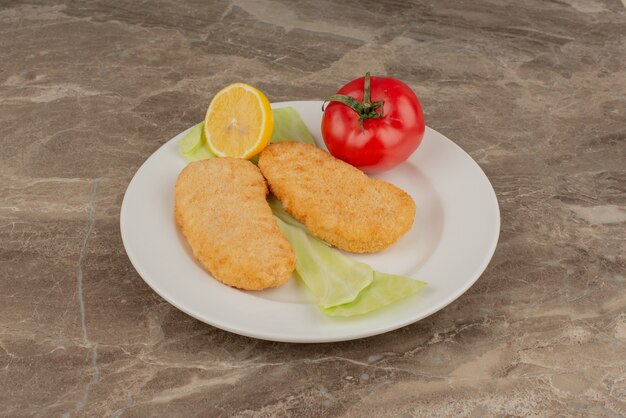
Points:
(365, 109)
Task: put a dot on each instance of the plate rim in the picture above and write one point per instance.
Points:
(364, 334)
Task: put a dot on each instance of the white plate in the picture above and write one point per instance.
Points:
(453, 238)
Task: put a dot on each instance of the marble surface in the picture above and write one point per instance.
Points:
(535, 91)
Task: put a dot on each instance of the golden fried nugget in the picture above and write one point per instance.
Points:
(222, 211)
(337, 202)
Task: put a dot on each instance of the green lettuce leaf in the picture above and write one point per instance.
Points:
(289, 126)
(384, 290)
(194, 145)
(332, 277)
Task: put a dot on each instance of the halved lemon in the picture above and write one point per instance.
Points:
(239, 122)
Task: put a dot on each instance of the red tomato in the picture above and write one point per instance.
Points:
(378, 133)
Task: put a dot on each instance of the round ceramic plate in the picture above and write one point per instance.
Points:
(452, 240)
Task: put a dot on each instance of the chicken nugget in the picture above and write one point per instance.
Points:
(336, 201)
(222, 212)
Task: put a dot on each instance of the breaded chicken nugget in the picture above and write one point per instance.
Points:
(337, 202)
(222, 211)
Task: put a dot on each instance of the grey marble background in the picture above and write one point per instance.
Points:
(534, 90)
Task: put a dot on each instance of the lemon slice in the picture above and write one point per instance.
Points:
(238, 122)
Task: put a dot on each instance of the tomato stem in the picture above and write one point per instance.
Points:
(365, 109)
